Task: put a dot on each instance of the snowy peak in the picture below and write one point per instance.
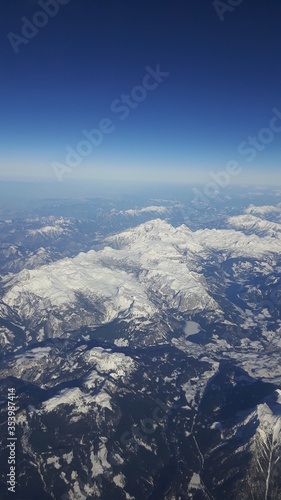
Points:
(139, 275)
(256, 225)
(143, 269)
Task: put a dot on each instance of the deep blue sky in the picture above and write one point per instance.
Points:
(225, 79)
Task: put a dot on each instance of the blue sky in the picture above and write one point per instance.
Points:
(224, 80)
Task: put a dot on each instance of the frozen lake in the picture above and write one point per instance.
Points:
(191, 328)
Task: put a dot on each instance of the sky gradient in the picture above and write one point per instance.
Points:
(223, 84)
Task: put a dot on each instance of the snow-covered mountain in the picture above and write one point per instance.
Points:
(145, 355)
(138, 275)
(142, 272)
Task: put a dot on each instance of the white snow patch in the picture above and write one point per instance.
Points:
(80, 401)
(119, 480)
(55, 461)
(105, 361)
(216, 426)
(195, 482)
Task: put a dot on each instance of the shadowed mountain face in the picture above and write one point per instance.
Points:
(143, 341)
